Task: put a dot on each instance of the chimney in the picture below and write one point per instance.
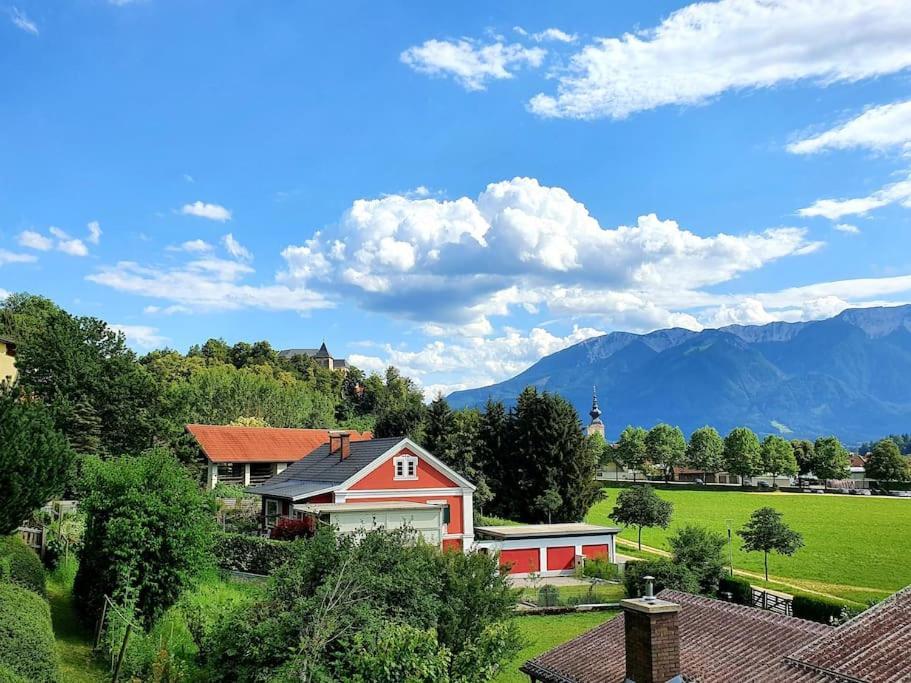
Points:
(340, 442)
(652, 638)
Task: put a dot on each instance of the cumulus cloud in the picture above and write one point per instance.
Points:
(21, 21)
(7, 256)
(213, 212)
(471, 63)
(142, 336)
(68, 245)
(236, 249)
(192, 246)
(847, 227)
(35, 240)
(206, 284)
(833, 209)
(879, 129)
(708, 48)
(517, 243)
(549, 35)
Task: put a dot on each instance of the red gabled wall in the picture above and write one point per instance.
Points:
(383, 477)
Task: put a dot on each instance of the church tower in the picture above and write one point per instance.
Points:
(595, 426)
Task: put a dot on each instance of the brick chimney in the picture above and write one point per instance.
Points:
(652, 638)
(340, 442)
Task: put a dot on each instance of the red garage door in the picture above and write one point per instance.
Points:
(593, 551)
(521, 561)
(561, 558)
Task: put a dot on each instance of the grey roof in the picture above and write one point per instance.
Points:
(319, 470)
(290, 353)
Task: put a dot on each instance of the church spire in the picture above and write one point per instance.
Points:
(595, 425)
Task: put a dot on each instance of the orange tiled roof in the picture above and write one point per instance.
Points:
(227, 443)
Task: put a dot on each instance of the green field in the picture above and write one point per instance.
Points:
(855, 548)
(541, 633)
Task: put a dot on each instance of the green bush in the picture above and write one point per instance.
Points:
(601, 568)
(27, 646)
(740, 589)
(667, 575)
(548, 596)
(7, 675)
(820, 608)
(252, 554)
(20, 564)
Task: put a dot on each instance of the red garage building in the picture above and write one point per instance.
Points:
(547, 549)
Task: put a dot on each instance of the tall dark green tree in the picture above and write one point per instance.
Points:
(886, 463)
(705, 451)
(830, 459)
(35, 459)
(803, 454)
(666, 446)
(439, 429)
(778, 457)
(742, 453)
(492, 440)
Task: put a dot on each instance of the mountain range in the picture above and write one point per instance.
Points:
(849, 375)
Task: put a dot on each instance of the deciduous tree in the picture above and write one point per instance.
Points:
(700, 550)
(766, 532)
(666, 445)
(742, 453)
(778, 457)
(630, 451)
(887, 464)
(640, 506)
(830, 459)
(705, 451)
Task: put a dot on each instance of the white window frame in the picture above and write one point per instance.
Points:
(405, 468)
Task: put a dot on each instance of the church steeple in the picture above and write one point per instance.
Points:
(595, 413)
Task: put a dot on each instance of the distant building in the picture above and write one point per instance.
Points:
(320, 356)
(595, 426)
(8, 372)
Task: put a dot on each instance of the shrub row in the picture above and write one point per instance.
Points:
(600, 568)
(822, 609)
(27, 648)
(679, 486)
(740, 589)
(252, 554)
(20, 564)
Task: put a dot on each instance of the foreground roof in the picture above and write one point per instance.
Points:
(227, 443)
(721, 641)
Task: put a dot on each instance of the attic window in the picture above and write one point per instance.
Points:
(406, 467)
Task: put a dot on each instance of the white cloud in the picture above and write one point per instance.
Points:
(188, 178)
(236, 249)
(833, 209)
(206, 284)
(21, 21)
(94, 232)
(708, 48)
(213, 212)
(142, 336)
(469, 62)
(14, 257)
(3, 294)
(517, 244)
(847, 227)
(68, 245)
(878, 128)
(554, 35)
(475, 361)
(193, 246)
(35, 240)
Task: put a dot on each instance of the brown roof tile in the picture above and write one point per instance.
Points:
(227, 443)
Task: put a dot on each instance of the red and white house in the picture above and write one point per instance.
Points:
(377, 482)
(547, 549)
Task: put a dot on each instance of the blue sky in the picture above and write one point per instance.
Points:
(456, 190)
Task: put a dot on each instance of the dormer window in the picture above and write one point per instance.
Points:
(406, 467)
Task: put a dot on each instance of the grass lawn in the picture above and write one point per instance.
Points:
(74, 643)
(541, 633)
(855, 547)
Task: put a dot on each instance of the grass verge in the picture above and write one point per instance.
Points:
(74, 642)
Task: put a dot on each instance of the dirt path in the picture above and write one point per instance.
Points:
(752, 575)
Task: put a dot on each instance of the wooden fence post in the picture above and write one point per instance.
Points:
(100, 628)
(123, 649)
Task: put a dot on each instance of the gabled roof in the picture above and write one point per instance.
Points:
(227, 443)
(323, 352)
(288, 353)
(321, 471)
(721, 641)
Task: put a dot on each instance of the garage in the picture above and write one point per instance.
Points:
(546, 549)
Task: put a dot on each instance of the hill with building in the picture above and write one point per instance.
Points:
(845, 375)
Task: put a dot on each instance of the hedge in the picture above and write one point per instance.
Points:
(251, 554)
(676, 486)
(7, 675)
(820, 608)
(20, 564)
(740, 589)
(27, 645)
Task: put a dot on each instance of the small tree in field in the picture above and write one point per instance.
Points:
(640, 506)
(778, 458)
(766, 532)
(886, 463)
(34, 459)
